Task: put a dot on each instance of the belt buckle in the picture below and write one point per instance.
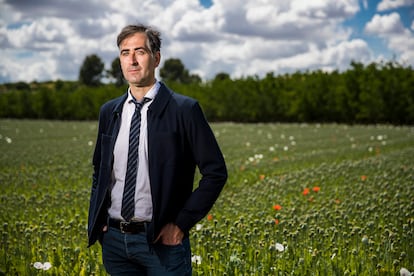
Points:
(123, 225)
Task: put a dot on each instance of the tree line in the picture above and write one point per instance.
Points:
(374, 93)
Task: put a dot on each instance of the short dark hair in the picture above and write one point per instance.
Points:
(154, 36)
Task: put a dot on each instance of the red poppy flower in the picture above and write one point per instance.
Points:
(305, 191)
(316, 189)
(209, 217)
(277, 207)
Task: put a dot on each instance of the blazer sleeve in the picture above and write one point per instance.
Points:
(211, 164)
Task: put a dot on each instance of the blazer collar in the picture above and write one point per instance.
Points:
(157, 106)
(161, 100)
(119, 104)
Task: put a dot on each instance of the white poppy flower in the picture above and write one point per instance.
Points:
(279, 247)
(196, 259)
(405, 272)
(45, 266)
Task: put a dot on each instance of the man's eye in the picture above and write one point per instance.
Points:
(140, 52)
(125, 53)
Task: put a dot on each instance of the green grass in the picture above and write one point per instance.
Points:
(360, 222)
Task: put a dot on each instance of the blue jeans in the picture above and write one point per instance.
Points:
(130, 254)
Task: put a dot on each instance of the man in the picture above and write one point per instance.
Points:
(171, 139)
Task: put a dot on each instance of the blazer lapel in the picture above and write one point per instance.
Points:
(160, 102)
(115, 123)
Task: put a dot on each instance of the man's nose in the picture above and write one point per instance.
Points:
(134, 59)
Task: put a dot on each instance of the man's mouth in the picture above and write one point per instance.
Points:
(133, 69)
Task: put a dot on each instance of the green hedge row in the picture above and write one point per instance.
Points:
(374, 93)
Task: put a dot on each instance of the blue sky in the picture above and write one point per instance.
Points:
(366, 13)
(206, 3)
(49, 39)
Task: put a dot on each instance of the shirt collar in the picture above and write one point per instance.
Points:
(150, 94)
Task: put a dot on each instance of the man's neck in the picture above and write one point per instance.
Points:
(140, 91)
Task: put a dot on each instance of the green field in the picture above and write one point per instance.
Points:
(301, 199)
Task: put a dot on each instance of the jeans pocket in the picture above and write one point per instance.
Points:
(176, 258)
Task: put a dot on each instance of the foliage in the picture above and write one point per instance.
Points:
(116, 72)
(91, 71)
(70, 101)
(376, 93)
(301, 199)
(175, 71)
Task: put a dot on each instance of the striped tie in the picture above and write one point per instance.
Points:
(128, 200)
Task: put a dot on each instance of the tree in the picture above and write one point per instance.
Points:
(222, 76)
(194, 78)
(116, 72)
(174, 70)
(90, 73)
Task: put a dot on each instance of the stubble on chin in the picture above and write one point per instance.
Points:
(140, 82)
(135, 81)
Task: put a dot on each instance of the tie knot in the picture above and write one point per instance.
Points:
(139, 104)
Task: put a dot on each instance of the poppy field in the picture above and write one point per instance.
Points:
(301, 199)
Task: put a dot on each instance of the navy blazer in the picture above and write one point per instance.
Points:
(179, 139)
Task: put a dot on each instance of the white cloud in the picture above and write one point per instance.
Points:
(403, 45)
(258, 34)
(40, 35)
(49, 39)
(385, 5)
(335, 57)
(385, 24)
(73, 10)
(399, 40)
(29, 70)
(7, 14)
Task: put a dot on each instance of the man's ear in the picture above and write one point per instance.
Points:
(157, 58)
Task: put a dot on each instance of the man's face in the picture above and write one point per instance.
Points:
(137, 63)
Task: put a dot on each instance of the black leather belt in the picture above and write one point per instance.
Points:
(129, 227)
